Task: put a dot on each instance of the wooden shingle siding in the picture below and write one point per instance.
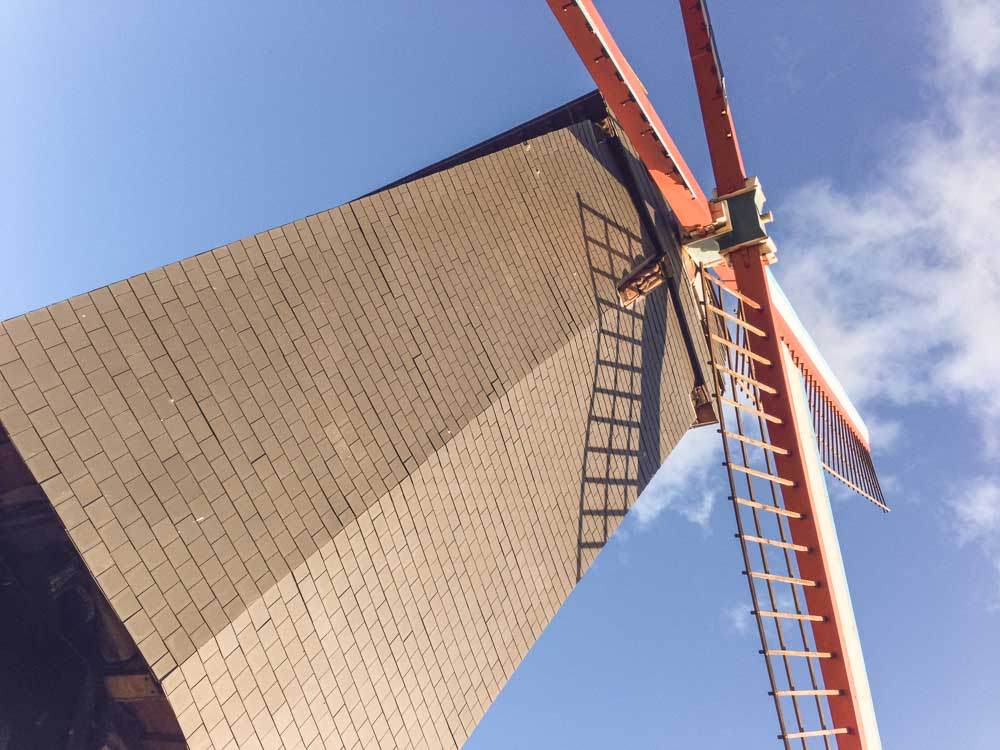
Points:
(330, 475)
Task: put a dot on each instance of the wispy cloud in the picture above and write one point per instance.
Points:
(898, 280)
(688, 483)
(737, 618)
(977, 513)
(976, 518)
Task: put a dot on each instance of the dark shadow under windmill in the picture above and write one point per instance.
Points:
(622, 443)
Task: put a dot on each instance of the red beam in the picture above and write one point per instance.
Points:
(723, 146)
(829, 634)
(627, 100)
(801, 351)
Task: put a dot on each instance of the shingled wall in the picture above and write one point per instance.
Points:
(338, 476)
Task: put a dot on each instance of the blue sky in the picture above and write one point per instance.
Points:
(134, 136)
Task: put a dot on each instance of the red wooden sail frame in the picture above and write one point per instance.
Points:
(744, 271)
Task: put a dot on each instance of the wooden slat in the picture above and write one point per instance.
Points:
(790, 693)
(837, 475)
(769, 508)
(769, 477)
(782, 579)
(812, 733)
(753, 303)
(809, 654)
(790, 616)
(734, 319)
(746, 378)
(775, 543)
(756, 412)
(740, 349)
(758, 443)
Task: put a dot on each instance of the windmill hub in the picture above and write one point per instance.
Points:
(741, 223)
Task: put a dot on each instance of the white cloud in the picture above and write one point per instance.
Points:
(883, 432)
(899, 280)
(972, 38)
(977, 521)
(688, 482)
(977, 513)
(737, 618)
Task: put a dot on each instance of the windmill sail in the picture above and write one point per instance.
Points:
(784, 416)
(841, 433)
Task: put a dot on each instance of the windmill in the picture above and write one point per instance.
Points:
(783, 416)
(239, 499)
